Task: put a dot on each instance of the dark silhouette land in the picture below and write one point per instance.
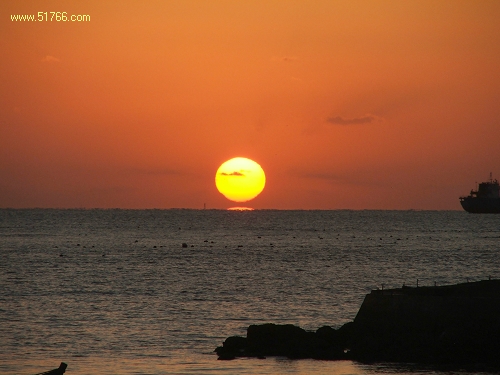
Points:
(452, 325)
(58, 371)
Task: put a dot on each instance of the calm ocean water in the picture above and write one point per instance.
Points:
(114, 291)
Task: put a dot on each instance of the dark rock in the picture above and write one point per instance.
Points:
(184, 244)
(58, 371)
(274, 340)
(224, 356)
(327, 333)
(283, 340)
(336, 343)
(345, 334)
(455, 325)
(234, 346)
(235, 343)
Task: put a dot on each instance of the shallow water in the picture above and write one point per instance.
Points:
(114, 291)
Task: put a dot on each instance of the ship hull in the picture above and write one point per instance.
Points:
(477, 205)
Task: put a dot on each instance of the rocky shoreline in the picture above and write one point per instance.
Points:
(454, 324)
(287, 341)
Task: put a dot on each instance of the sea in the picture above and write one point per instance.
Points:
(156, 291)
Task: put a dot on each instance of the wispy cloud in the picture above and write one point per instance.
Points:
(232, 174)
(50, 59)
(284, 58)
(339, 120)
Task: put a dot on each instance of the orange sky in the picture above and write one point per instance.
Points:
(344, 104)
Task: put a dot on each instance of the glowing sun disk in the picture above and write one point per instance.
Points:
(240, 179)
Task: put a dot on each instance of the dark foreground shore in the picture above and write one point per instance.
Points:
(455, 324)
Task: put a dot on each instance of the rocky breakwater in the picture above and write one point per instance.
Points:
(454, 324)
(288, 341)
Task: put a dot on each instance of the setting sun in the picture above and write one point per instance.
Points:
(240, 179)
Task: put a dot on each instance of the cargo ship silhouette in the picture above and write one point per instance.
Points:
(485, 200)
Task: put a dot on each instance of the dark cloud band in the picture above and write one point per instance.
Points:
(338, 120)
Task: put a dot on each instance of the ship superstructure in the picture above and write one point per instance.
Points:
(484, 200)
